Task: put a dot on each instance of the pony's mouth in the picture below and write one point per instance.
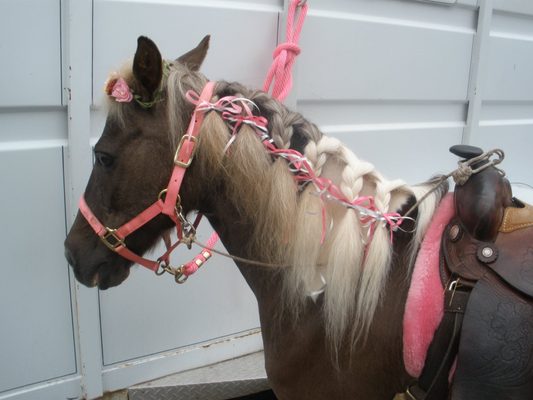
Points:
(104, 276)
(107, 276)
(96, 280)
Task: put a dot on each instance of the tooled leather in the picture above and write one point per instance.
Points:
(515, 218)
(460, 255)
(494, 359)
(514, 263)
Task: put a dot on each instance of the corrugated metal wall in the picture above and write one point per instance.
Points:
(398, 80)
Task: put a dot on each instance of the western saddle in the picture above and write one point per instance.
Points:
(485, 339)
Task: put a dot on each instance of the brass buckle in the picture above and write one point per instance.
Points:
(189, 138)
(112, 245)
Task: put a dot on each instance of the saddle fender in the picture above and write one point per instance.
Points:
(495, 358)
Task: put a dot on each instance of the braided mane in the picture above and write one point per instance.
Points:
(287, 220)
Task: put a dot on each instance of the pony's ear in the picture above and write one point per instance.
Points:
(195, 57)
(148, 66)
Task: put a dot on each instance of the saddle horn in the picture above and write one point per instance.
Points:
(480, 202)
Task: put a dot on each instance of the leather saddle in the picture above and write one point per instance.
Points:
(488, 247)
(487, 272)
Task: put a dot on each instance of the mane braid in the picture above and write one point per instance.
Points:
(287, 220)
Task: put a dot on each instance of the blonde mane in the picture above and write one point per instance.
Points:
(287, 221)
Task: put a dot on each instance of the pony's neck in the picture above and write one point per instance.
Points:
(235, 232)
(246, 188)
(261, 215)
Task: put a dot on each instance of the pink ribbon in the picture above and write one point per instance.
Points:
(237, 112)
(225, 104)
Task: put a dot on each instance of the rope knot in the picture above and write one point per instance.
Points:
(462, 174)
(290, 48)
(279, 75)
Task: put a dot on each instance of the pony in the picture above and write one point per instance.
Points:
(334, 275)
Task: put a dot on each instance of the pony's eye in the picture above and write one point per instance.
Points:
(103, 159)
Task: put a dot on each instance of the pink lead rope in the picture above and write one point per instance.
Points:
(280, 73)
(280, 77)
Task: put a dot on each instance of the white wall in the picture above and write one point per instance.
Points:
(36, 320)
(398, 80)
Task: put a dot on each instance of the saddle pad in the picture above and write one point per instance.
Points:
(424, 306)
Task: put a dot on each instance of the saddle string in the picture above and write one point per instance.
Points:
(522, 184)
(463, 172)
(242, 259)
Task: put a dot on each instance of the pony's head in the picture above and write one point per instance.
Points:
(133, 159)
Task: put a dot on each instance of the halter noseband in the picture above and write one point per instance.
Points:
(168, 203)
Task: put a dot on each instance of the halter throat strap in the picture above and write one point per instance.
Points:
(168, 202)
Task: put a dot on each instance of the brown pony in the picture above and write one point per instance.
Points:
(345, 342)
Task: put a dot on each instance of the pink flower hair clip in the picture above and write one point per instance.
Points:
(119, 89)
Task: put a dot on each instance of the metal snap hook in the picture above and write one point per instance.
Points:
(179, 276)
(162, 267)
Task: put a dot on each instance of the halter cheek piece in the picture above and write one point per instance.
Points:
(168, 203)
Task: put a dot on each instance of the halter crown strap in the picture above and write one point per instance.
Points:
(185, 151)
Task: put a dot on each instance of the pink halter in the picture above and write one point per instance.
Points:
(168, 203)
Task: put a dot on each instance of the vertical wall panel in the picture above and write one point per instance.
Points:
(36, 328)
(406, 62)
(506, 118)
(36, 337)
(30, 46)
(509, 74)
(389, 78)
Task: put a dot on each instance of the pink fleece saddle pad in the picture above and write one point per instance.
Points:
(424, 306)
